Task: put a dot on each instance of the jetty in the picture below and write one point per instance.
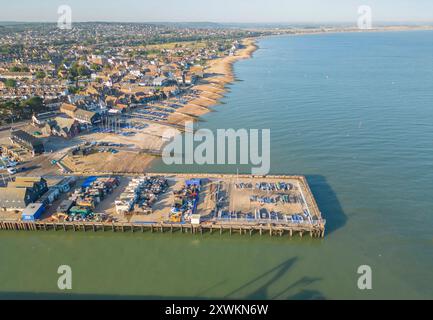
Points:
(282, 206)
(314, 231)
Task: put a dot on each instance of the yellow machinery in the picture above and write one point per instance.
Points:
(177, 218)
(57, 217)
(86, 203)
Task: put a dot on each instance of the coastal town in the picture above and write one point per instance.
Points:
(212, 159)
(84, 112)
(60, 90)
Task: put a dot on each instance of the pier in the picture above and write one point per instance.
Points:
(313, 231)
(229, 204)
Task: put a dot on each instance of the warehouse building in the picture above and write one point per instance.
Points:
(68, 109)
(27, 141)
(22, 192)
(87, 117)
(14, 199)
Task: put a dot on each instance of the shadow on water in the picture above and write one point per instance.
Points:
(262, 291)
(328, 203)
(303, 294)
(275, 276)
(258, 288)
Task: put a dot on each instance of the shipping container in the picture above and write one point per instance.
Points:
(88, 182)
(65, 206)
(33, 212)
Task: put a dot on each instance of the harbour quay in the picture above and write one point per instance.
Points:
(282, 206)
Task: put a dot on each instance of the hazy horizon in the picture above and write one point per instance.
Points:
(222, 11)
(276, 23)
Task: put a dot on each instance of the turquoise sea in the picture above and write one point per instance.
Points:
(351, 111)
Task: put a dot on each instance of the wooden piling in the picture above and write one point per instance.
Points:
(316, 232)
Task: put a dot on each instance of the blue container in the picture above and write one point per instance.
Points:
(33, 212)
(89, 182)
(193, 182)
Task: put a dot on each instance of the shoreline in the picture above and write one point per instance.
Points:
(212, 87)
(220, 72)
(200, 100)
(301, 32)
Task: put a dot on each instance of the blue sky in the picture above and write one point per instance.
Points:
(219, 11)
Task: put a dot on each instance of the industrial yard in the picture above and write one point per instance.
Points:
(275, 204)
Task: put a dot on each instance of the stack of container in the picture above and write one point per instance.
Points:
(129, 197)
(141, 194)
(91, 193)
(186, 200)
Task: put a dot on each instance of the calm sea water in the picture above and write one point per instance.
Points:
(353, 112)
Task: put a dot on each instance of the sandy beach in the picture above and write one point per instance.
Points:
(199, 100)
(211, 88)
